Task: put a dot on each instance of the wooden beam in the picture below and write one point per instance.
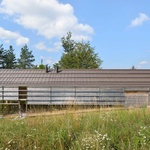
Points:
(9, 103)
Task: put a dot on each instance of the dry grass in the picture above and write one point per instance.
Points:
(96, 129)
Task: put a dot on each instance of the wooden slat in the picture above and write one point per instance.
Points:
(9, 103)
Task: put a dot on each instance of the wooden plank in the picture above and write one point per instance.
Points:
(9, 103)
(137, 99)
(10, 93)
(63, 89)
(149, 98)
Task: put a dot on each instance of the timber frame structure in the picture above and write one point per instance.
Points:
(25, 87)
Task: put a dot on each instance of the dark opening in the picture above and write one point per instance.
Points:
(22, 93)
(22, 98)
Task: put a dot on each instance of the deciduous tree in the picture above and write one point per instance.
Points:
(78, 55)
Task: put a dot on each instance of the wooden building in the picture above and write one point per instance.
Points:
(75, 87)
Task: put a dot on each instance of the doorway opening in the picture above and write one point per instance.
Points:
(22, 93)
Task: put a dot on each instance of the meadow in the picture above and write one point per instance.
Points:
(99, 130)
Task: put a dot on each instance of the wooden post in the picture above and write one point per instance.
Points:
(50, 94)
(26, 100)
(99, 97)
(26, 107)
(19, 108)
(75, 91)
(2, 99)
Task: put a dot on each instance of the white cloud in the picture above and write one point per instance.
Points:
(7, 35)
(49, 18)
(143, 62)
(42, 46)
(139, 20)
(48, 60)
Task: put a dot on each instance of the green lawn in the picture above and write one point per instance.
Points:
(102, 130)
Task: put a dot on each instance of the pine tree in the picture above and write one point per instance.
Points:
(1, 56)
(26, 58)
(9, 58)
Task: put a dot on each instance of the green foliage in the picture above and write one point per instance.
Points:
(133, 68)
(67, 43)
(26, 58)
(9, 58)
(1, 51)
(41, 66)
(78, 55)
(1, 56)
(101, 130)
(56, 65)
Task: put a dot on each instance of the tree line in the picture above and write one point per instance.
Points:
(76, 55)
(9, 61)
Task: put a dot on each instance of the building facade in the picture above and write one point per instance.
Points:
(129, 88)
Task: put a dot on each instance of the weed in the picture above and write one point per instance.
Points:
(111, 130)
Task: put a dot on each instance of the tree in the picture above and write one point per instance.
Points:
(67, 43)
(9, 58)
(1, 51)
(133, 68)
(26, 58)
(78, 55)
(1, 56)
(41, 66)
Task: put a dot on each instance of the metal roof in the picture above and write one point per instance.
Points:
(76, 77)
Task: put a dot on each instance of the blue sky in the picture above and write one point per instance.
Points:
(119, 29)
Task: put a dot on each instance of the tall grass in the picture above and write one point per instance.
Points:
(103, 130)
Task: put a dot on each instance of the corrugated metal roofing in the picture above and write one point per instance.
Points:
(76, 77)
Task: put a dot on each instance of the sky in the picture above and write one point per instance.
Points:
(119, 30)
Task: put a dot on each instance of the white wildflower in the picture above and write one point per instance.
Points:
(10, 141)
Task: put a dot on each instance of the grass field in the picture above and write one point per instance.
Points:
(99, 130)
